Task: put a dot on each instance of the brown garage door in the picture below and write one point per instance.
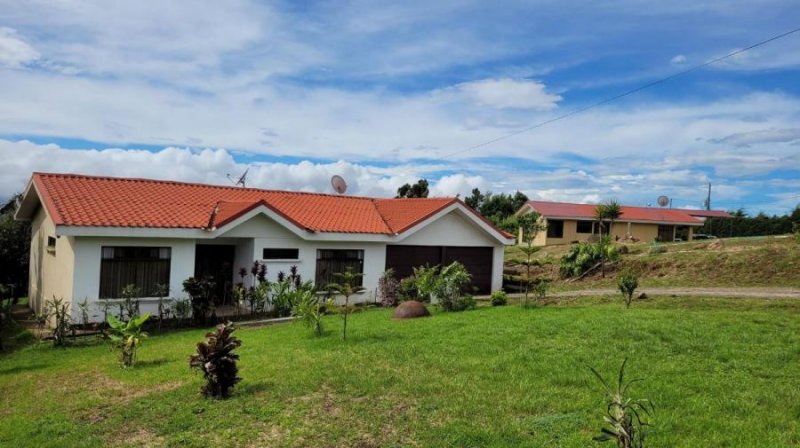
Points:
(477, 260)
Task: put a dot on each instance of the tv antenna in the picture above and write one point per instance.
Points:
(338, 184)
(663, 201)
(242, 179)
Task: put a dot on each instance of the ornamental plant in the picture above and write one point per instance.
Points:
(348, 285)
(625, 417)
(126, 337)
(216, 359)
(627, 283)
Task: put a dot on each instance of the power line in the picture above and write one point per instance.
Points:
(622, 95)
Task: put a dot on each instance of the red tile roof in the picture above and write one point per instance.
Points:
(629, 213)
(77, 200)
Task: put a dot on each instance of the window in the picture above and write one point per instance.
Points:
(584, 227)
(51, 244)
(280, 254)
(555, 228)
(144, 267)
(336, 261)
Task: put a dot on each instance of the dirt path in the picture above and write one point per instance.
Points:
(762, 293)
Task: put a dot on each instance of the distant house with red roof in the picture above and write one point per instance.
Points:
(567, 223)
(92, 236)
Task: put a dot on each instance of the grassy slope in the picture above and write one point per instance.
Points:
(722, 373)
(763, 261)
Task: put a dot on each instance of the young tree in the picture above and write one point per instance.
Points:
(348, 285)
(15, 239)
(418, 190)
(531, 225)
(608, 211)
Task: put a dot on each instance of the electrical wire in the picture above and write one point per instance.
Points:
(621, 95)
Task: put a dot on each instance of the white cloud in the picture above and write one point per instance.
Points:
(678, 59)
(509, 93)
(212, 166)
(14, 51)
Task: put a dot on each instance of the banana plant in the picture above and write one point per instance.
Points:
(127, 336)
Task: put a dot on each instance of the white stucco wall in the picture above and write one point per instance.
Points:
(88, 256)
(452, 229)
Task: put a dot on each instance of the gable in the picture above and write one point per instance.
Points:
(259, 226)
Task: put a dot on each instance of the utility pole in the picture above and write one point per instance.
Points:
(708, 198)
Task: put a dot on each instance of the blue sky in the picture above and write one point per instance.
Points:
(386, 92)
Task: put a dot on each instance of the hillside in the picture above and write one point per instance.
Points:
(755, 261)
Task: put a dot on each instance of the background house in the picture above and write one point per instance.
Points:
(91, 236)
(567, 223)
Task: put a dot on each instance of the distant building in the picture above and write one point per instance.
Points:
(568, 223)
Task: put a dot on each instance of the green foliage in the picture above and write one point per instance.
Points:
(449, 284)
(624, 416)
(83, 308)
(499, 298)
(216, 359)
(309, 309)
(540, 289)
(15, 239)
(627, 284)
(129, 306)
(200, 296)
(580, 258)
(347, 286)
(743, 225)
(126, 337)
(656, 248)
(409, 291)
(530, 224)
(59, 311)
(498, 208)
(182, 309)
(418, 190)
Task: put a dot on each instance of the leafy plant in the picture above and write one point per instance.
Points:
(627, 283)
(656, 248)
(58, 310)
(610, 211)
(499, 298)
(530, 225)
(127, 336)
(216, 359)
(129, 306)
(83, 307)
(408, 290)
(425, 279)
(388, 288)
(200, 295)
(347, 286)
(583, 257)
(309, 309)
(540, 289)
(624, 416)
(182, 309)
(449, 286)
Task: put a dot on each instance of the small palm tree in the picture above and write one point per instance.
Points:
(349, 284)
(530, 225)
(610, 211)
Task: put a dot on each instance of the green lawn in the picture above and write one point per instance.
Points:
(721, 373)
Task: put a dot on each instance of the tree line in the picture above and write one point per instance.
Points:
(760, 225)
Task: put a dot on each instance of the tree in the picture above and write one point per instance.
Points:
(609, 211)
(418, 190)
(498, 208)
(15, 241)
(531, 225)
(347, 286)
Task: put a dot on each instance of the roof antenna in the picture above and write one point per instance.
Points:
(242, 179)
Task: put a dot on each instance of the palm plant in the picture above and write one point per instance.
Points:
(624, 415)
(309, 309)
(127, 336)
(609, 211)
(349, 284)
(215, 358)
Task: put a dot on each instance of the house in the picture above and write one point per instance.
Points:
(92, 236)
(567, 223)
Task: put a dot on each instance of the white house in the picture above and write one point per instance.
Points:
(91, 236)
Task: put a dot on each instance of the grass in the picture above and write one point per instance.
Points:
(721, 372)
(741, 262)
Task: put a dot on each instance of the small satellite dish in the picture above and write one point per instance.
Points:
(663, 201)
(338, 184)
(242, 179)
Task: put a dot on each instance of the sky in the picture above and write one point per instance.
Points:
(384, 93)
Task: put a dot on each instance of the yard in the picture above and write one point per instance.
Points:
(722, 372)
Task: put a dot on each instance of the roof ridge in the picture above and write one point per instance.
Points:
(374, 202)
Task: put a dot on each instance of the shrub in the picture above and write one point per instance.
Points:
(126, 337)
(449, 286)
(309, 309)
(129, 307)
(83, 307)
(199, 291)
(461, 303)
(499, 298)
(540, 289)
(627, 283)
(216, 359)
(388, 288)
(58, 310)
(409, 291)
(182, 309)
(425, 281)
(624, 415)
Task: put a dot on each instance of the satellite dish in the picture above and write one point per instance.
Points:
(663, 201)
(242, 179)
(338, 184)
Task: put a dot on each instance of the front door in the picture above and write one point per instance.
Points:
(666, 234)
(216, 262)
